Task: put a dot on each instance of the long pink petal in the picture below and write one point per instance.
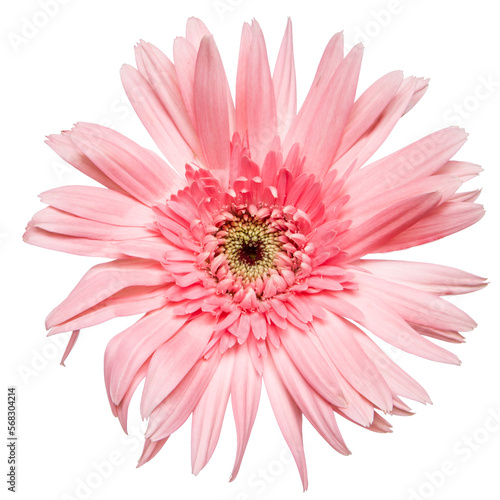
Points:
(312, 405)
(99, 204)
(416, 306)
(175, 409)
(328, 65)
(449, 218)
(137, 344)
(336, 336)
(140, 172)
(288, 416)
(104, 280)
(212, 115)
(155, 118)
(209, 413)
(387, 324)
(285, 85)
(151, 449)
(422, 158)
(324, 134)
(57, 221)
(261, 114)
(373, 138)
(172, 361)
(441, 280)
(314, 368)
(126, 302)
(370, 235)
(245, 396)
(368, 108)
(147, 248)
(161, 74)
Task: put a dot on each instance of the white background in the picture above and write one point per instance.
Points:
(68, 71)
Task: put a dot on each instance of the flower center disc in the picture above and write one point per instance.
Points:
(250, 247)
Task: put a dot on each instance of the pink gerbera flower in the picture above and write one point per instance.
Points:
(246, 250)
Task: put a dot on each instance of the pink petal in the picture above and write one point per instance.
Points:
(148, 248)
(368, 108)
(288, 416)
(98, 204)
(104, 280)
(71, 344)
(138, 171)
(172, 361)
(386, 323)
(155, 118)
(245, 395)
(336, 336)
(284, 81)
(449, 218)
(314, 407)
(57, 221)
(311, 364)
(161, 74)
(260, 99)
(137, 344)
(415, 306)
(369, 236)
(210, 99)
(175, 409)
(442, 280)
(151, 449)
(209, 413)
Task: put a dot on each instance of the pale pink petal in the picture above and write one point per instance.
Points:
(146, 248)
(262, 125)
(446, 219)
(137, 344)
(175, 409)
(209, 413)
(416, 306)
(57, 221)
(368, 108)
(212, 115)
(312, 365)
(103, 205)
(126, 302)
(284, 81)
(104, 280)
(140, 172)
(71, 344)
(330, 61)
(336, 336)
(245, 395)
(172, 361)
(161, 74)
(151, 449)
(371, 235)
(288, 416)
(386, 323)
(315, 408)
(155, 118)
(195, 31)
(442, 280)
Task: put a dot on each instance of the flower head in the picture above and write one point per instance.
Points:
(246, 251)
